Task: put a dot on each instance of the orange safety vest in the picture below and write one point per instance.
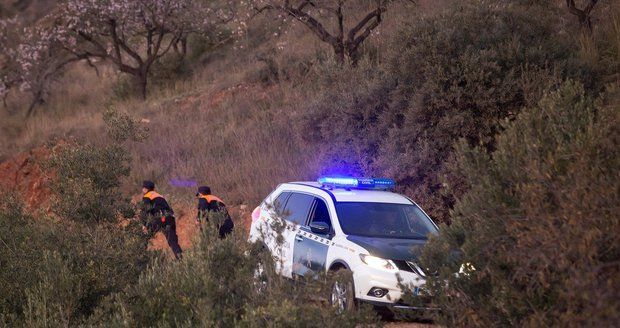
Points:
(210, 198)
(152, 195)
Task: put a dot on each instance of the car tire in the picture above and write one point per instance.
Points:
(260, 275)
(342, 294)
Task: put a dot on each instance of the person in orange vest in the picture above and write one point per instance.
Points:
(159, 216)
(208, 204)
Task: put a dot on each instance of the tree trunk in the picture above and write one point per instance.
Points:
(339, 52)
(354, 56)
(582, 14)
(37, 98)
(141, 80)
(180, 46)
(184, 47)
(587, 23)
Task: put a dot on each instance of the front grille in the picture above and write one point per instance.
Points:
(409, 266)
(403, 266)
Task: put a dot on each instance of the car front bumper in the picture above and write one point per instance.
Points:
(370, 278)
(402, 306)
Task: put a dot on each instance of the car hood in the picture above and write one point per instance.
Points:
(390, 248)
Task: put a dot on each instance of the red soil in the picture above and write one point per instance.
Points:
(25, 175)
(187, 229)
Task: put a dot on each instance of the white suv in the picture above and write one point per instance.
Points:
(347, 224)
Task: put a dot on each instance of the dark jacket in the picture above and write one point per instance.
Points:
(208, 204)
(156, 211)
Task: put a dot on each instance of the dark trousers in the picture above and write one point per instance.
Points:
(225, 229)
(170, 231)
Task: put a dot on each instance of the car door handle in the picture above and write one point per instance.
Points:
(299, 238)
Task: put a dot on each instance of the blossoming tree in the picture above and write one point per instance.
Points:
(133, 34)
(32, 58)
(8, 63)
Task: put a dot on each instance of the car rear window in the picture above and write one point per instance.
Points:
(384, 220)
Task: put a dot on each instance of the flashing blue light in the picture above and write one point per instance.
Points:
(357, 183)
(351, 182)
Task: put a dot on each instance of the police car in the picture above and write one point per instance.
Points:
(352, 224)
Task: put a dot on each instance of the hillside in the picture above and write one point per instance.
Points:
(499, 119)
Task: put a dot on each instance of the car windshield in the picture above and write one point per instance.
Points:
(384, 220)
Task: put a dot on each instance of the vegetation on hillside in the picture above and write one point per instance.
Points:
(57, 274)
(498, 118)
(539, 222)
(216, 286)
(451, 76)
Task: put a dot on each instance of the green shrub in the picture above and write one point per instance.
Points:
(122, 127)
(169, 69)
(214, 286)
(202, 48)
(87, 186)
(53, 301)
(87, 182)
(56, 273)
(540, 222)
(124, 87)
(455, 75)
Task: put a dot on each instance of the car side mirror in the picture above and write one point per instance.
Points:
(320, 227)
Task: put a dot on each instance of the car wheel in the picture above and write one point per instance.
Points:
(342, 296)
(260, 276)
(260, 279)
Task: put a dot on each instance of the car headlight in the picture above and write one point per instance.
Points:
(466, 269)
(377, 262)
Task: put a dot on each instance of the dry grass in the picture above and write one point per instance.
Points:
(240, 147)
(225, 125)
(73, 109)
(214, 127)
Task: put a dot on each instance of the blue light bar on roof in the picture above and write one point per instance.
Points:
(357, 183)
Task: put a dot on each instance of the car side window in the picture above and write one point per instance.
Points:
(297, 207)
(280, 201)
(321, 213)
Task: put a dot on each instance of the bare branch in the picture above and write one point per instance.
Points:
(376, 14)
(582, 14)
(122, 44)
(304, 12)
(303, 17)
(360, 38)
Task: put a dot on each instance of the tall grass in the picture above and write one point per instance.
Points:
(241, 148)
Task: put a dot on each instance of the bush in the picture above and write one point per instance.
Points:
(122, 127)
(169, 69)
(215, 286)
(55, 274)
(451, 76)
(87, 182)
(87, 185)
(124, 88)
(539, 224)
